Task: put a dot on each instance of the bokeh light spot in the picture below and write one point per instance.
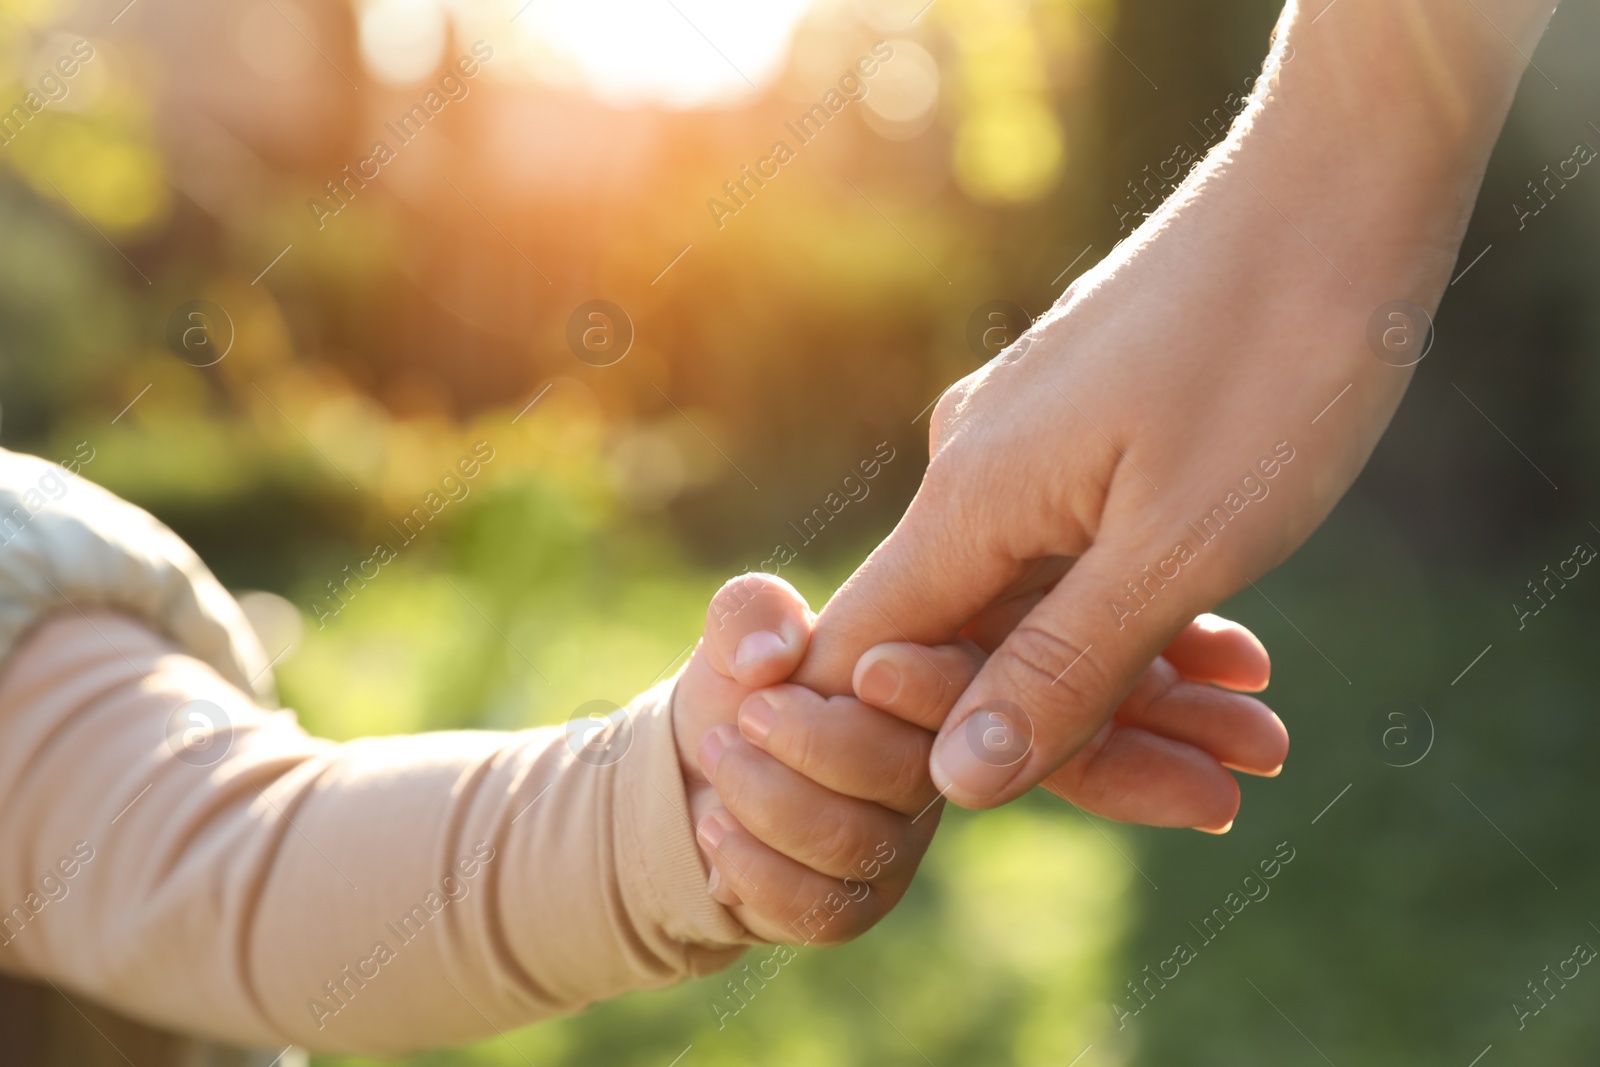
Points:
(688, 54)
(1009, 154)
(402, 41)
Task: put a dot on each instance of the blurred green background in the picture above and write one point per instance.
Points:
(989, 161)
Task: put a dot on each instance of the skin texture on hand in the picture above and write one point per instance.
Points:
(1197, 403)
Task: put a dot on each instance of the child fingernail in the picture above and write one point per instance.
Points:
(711, 832)
(755, 718)
(880, 684)
(1216, 829)
(711, 749)
(757, 648)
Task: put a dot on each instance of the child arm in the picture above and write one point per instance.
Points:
(381, 895)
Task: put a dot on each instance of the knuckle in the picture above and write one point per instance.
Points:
(836, 845)
(854, 921)
(732, 784)
(1041, 658)
(922, 688)
(1158, 685)
(776, 899)
(1105, 792)
(944, 411)
(960, 404)
(1080, 782)
(907, 779)
(747, 885)
(829, 916)
(1055, 682)
(963, 660)
(804, 912)
(795, 737)
(1068, 782)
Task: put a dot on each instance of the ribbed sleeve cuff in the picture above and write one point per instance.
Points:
(665, 885)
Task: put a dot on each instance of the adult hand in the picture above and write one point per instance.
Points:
(1197, 403)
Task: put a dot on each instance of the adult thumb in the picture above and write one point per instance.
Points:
(1061, 673)
(921, 584)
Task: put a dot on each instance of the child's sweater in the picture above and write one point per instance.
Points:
(174, 850)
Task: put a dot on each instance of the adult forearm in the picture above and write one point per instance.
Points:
(1376, 118)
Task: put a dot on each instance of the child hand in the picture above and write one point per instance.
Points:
(1164, 757)
(757, 629)
(812, 813)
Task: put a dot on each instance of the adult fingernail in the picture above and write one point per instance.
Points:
(880, 684)
(711, 832)
(755, 718)
(757, 648)
(711, 749)
(1216, 829)
(1256, 770)
(978, 758)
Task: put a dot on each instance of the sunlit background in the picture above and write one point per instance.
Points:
(374, 323)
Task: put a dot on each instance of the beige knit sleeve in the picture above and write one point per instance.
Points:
(262, 886)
